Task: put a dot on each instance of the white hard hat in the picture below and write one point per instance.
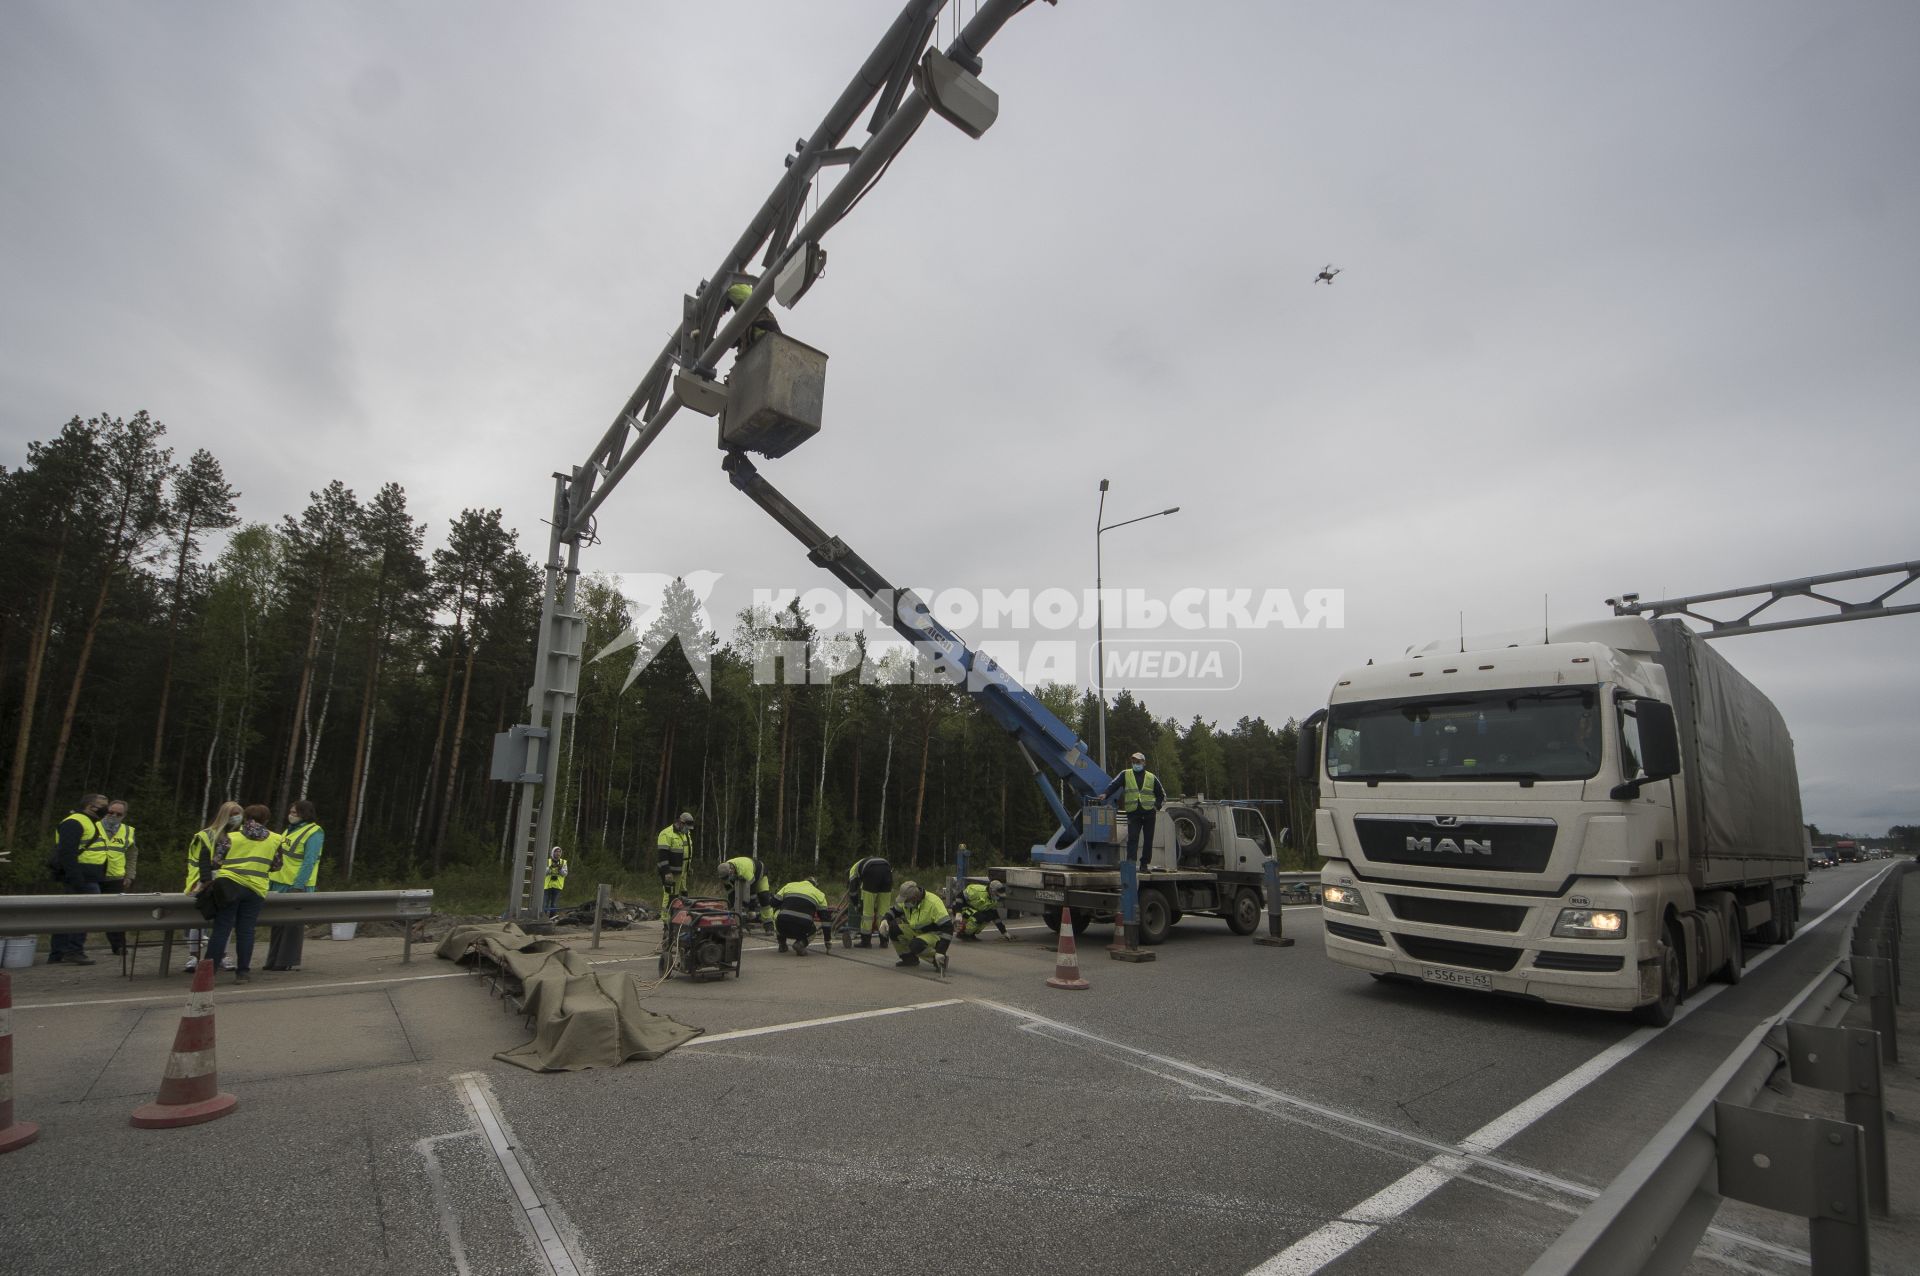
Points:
(1139, 757)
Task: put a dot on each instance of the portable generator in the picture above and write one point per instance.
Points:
(700, 938)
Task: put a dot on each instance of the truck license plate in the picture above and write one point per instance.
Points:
(1051, 897)
(1458, 978)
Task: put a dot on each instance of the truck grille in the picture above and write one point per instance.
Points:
(1487, 844)
(1458, 912)
(1448, 952)
(1359, 934)
(1579, 961)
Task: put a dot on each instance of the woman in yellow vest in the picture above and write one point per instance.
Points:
(299, 871)
(240, 887)
(204, 853)
(556, 881)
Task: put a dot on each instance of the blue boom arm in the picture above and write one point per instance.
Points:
(1044, 740)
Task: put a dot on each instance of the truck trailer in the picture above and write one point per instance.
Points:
(1599, 817)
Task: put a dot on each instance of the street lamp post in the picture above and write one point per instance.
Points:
(1100, 607)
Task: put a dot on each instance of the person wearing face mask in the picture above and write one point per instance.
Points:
(79, 863)
(240, 886)
(204, 853)
(116, 835)
(299, 871)
(1141, 796)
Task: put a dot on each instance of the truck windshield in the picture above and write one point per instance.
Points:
(1545, 733)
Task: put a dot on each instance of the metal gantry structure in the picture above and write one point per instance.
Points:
(1756, 599)
(902, 80)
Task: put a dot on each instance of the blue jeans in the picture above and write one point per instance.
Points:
(240, 911)
(552, 900)
(72, 943)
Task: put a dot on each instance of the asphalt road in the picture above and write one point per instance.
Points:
(1229, 1108)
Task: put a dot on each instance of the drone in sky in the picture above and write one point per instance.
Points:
(1326, 276)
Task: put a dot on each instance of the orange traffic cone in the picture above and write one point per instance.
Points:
(190, 1089)
(13, 1134)
(1066, 967)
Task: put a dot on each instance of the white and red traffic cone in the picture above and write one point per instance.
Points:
(13, 1134)
(1066, 967)
(190, 1089)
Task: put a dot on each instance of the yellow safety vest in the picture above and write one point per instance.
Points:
(295, 852)
(117, 844)
(1139, 791)
(250, 863)
(93, 844)
(671, 842)
(806, 890)
(556, 877)
(201, 847)
(928, 913)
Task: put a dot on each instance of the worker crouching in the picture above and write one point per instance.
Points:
(745, 880)
(979, 907)
(797, 915)
(919, 926)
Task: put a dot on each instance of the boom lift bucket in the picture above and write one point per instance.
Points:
(774, 396)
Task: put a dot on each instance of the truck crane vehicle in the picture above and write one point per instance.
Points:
(1208, 855)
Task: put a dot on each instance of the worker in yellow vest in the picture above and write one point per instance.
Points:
(801, 905)
(673, 849)
(79, 863)
(299, 871)
(205, 850)
(919, 926)
(746, 881)
(116, 835)
(1141, 796)
(556, 881)
(240, 887)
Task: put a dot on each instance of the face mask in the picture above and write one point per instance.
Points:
(233, 821)
(1139, 768)
(113, 823)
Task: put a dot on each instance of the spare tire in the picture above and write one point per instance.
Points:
(1192, 831)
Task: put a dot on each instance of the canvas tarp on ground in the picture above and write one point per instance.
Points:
(582, 1018)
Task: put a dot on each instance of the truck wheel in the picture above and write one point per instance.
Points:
(1243, 914)
(1156, 917)
(1658, 1013)
(1191, 831)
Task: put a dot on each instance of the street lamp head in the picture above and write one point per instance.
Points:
(1174, 510)
(1103, 485)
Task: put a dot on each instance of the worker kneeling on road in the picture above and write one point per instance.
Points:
(801, 904)
(870, 890)
(746, 881)
(919, 922)
(979, 905)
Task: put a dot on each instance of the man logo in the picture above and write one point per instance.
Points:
(1447, 846)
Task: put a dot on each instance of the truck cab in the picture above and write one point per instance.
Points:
(1502, 819)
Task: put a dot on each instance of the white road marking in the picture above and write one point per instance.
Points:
(557, 1258)
(818, 1023)
(1312, 1252)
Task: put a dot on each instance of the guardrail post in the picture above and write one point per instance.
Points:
(1273, 938)
(1844, 1061)
(602, 895)
(1874, 977)
(1809, 1166)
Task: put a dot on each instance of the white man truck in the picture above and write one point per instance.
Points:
(1597, 818)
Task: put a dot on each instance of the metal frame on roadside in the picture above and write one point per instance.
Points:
(1832, 1173)
(66, 914)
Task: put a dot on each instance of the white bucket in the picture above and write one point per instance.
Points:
(345, 930)
(17, 953)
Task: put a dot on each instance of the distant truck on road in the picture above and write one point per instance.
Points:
(1848, 851)
(1596, 820)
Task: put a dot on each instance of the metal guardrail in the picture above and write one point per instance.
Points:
(1832, 1173)
(63, 914)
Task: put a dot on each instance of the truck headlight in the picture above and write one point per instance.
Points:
(1343, 898)
(1590, 923)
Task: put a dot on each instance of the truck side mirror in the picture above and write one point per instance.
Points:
(1659, 740)
(1306, 750)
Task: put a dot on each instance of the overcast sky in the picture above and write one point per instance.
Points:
(1631, 298)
